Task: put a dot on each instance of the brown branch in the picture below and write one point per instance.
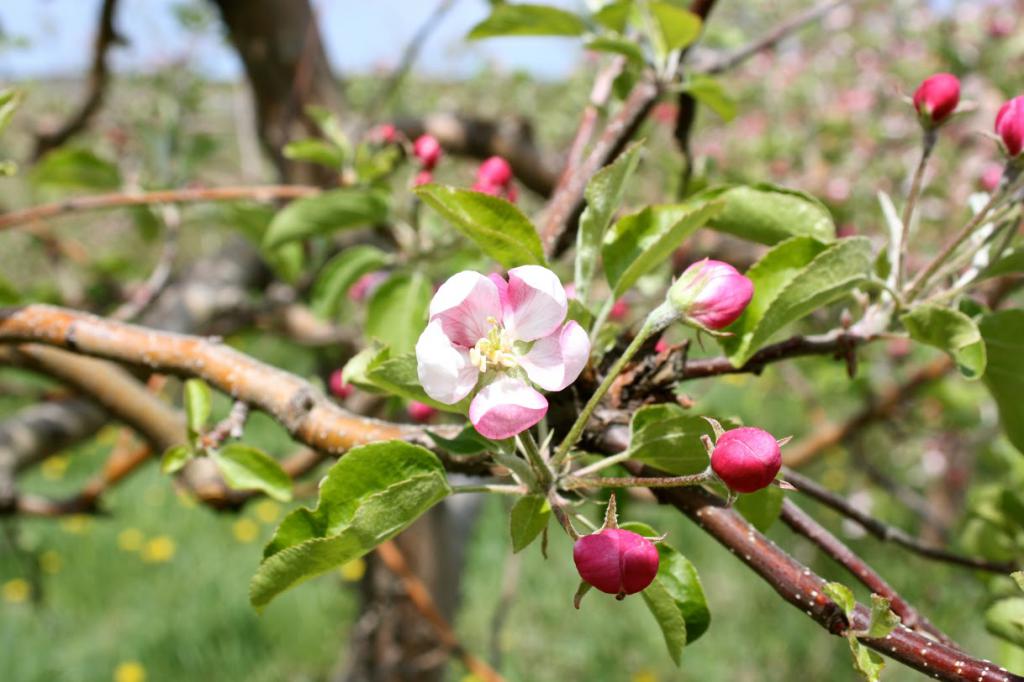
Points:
(887, 403)
(419, 595)
(887, 533)
(99, 76)
(308, 415)
(804, 590)
(170, 196)
(803, 524)
(599, 94)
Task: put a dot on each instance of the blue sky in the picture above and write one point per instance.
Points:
(360, 35)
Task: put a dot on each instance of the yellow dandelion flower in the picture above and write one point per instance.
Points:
(471, 678)
(50, 562)
(129, 671)
(54, 468)
(353, 570)
(158, 550)
(16, 591)
(245, 530)
(130, 539)
(267, 511)
(187, 501)
(643, 676)
(76, 524)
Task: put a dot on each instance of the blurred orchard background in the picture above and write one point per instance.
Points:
(155, 587)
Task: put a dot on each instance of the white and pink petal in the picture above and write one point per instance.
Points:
(556, 360)
(444, 370)
(536, 302)
(466, 304)
(506, 407)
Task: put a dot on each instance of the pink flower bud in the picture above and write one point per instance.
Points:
(487, 188)
(746, 459)
(494, 171)
(661, 346)
(385, 133)
(420, 412)
(991, 177)
(616, 561)
(338, 387)
(619, 311)
(366, 285)
(570, 291)
(937, 97)
(1010, 125)
(711, 293)
(424, 177)
(427, 149)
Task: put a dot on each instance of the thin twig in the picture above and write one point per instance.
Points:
(927, 145)
(99, 76)
(419, 595)
(770, 38)
(801, 523)
(168, 196)
(145, 294)
(887, 533)
(637, 482)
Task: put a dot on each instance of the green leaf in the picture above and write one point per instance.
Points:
(1005, 619)
(527, 20)
(842, 596)
(668, 616)
(467, 442)
(865, 661)
(769, 214)
(1018, 578)
(357, 369)
(76, 168)
(617, 45)
(883, 620)
(642, 240)
(246, 468)
(1003, 333)
(175, 458)
(529, 517)
(10, 100)
(198, 403)
(794, 279)
(667, 438)
(603, 194)
(949, 330)
(340, 273)
(1011, 263)
(615, 15)
(709, 92)
(398, 376)
(370, 495)
(315, 151)
(326, 213)
(761, 508)
(677, 577)
(495, 225)
(676, 27)
(330, 127)
(397, 311)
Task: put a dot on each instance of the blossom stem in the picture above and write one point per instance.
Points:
(659, 318)
(639, 481)
(603, 464)
(490, 488)
(540, 468)
(915, 191)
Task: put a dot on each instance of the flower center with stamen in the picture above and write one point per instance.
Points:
(493, 350)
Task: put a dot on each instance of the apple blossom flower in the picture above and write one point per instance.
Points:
(711, 293)
(494, 177)
(366, 285)
(616, 561)
(1010, 125)
(505, 337)
(337, 385)
(427, 149)
(420, 412)
(746, 459)
(937, 97)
